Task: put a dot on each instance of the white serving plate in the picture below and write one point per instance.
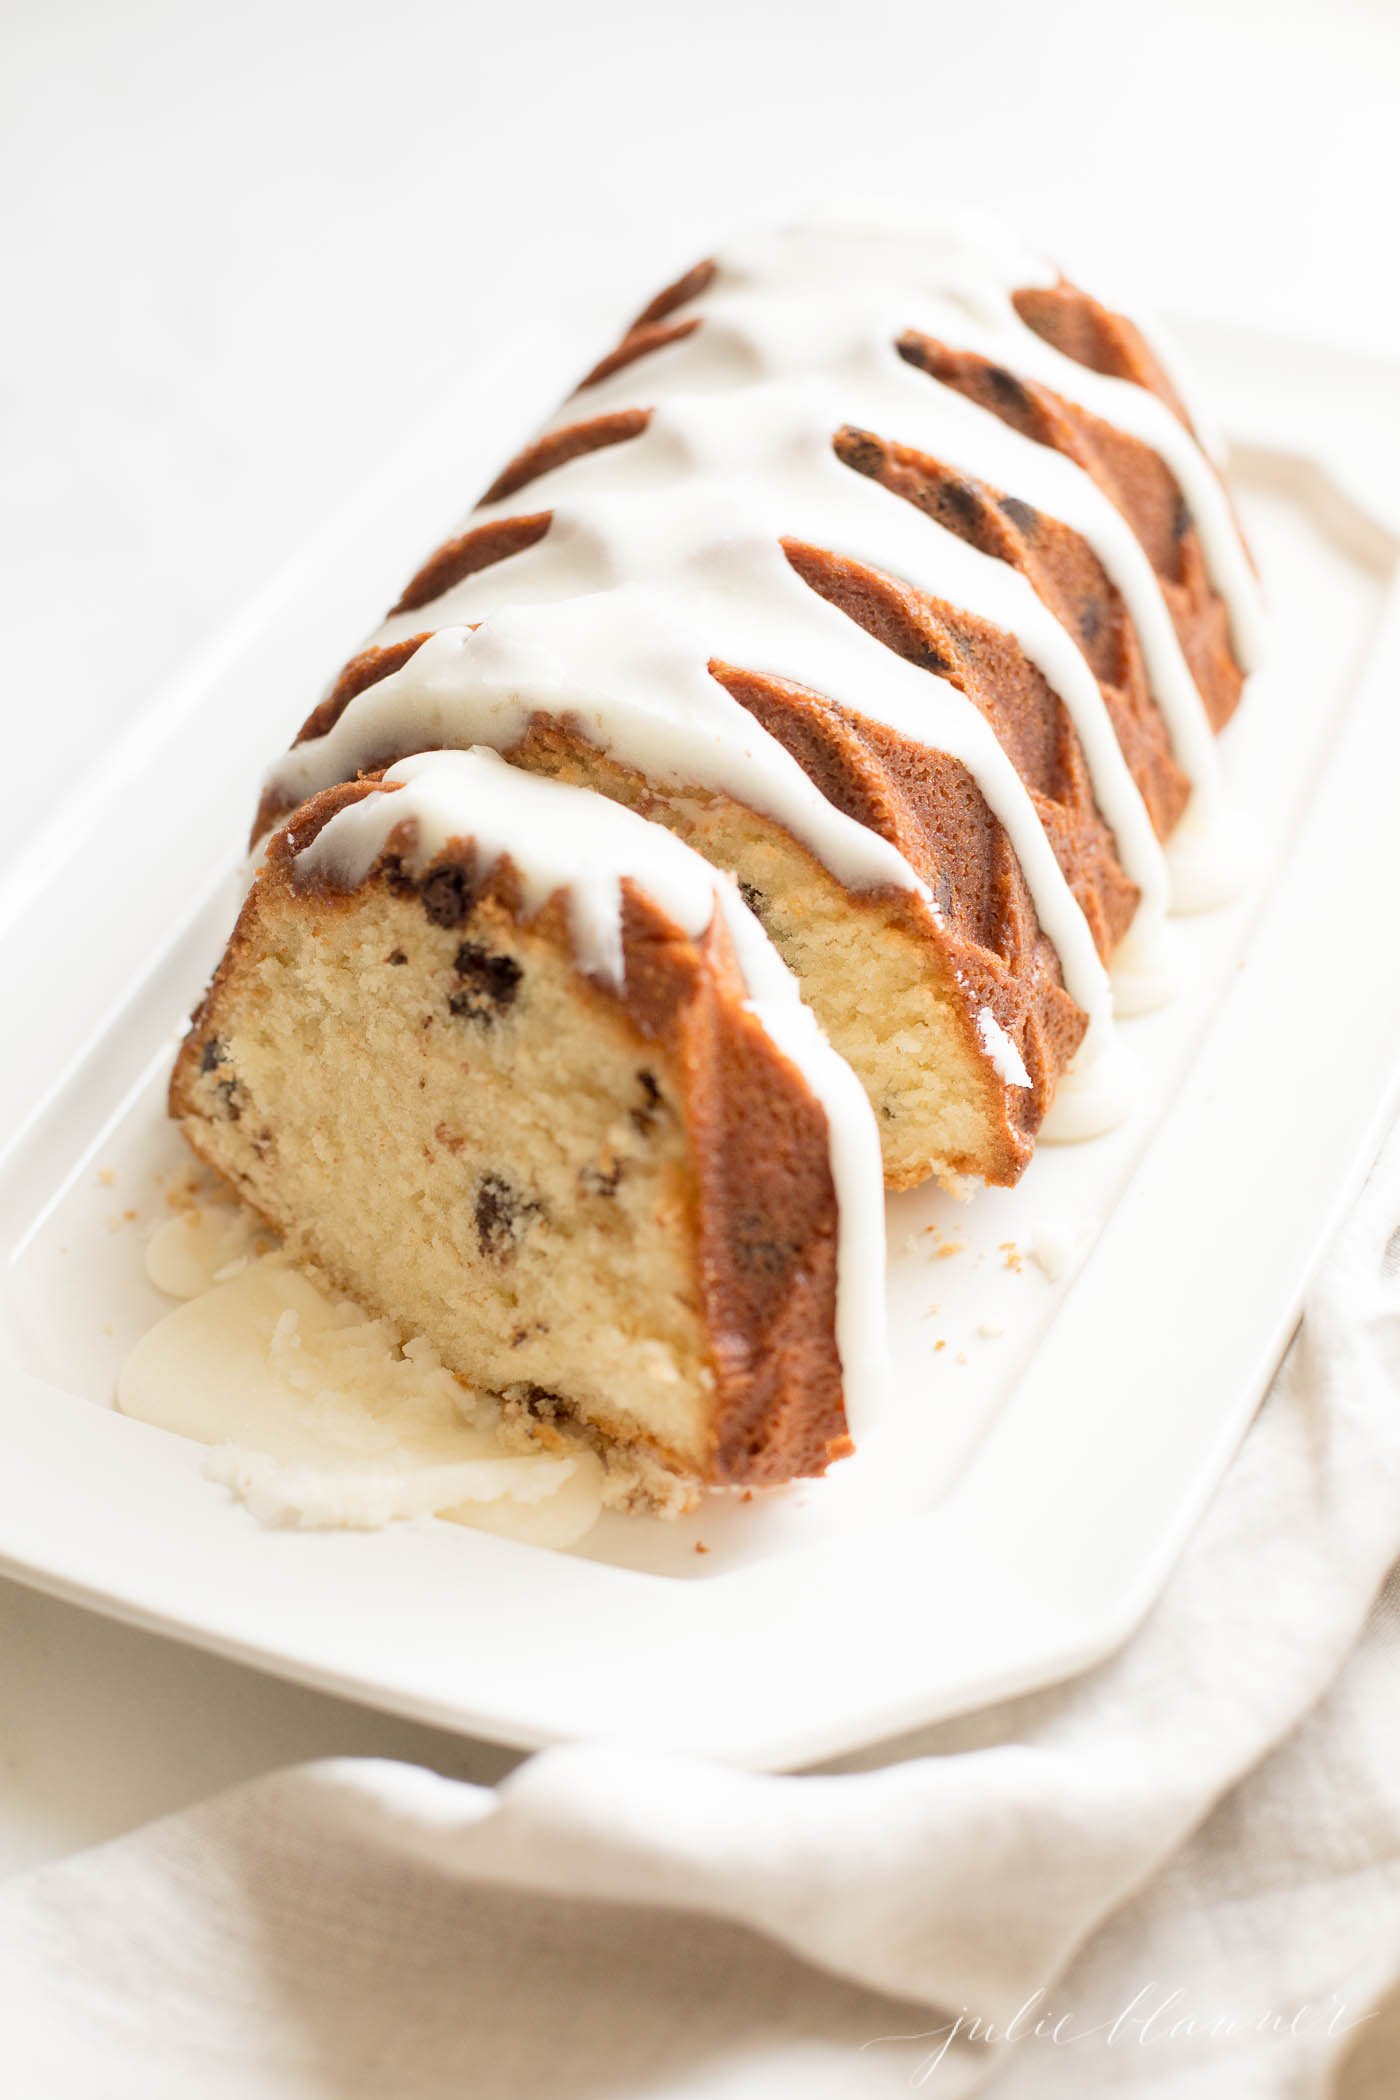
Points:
(1020, 1511)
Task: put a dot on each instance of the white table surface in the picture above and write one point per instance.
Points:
(238, 243)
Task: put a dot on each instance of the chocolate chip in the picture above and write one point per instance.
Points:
(1181, 517)
(231, 1093)
(541, 1401)
(752, 896)
(489, 983)
(397, 877)
(447, 896)
(1024, 516)
(396, 957)
(644, 1117)
(932, 658)
(1090, 621)
(503, 1217)
(594, 1181)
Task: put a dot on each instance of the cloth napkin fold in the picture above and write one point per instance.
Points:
(1110, 1885)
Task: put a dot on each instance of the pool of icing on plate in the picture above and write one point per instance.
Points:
(318, 1415)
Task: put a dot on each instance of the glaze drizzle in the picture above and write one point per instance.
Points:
(664, 552)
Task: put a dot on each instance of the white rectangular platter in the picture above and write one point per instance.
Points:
(1052, 1436)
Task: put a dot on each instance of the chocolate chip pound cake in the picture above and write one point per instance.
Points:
(885, 568)
(520, 1071)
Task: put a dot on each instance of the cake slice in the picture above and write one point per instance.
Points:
(519, 1071)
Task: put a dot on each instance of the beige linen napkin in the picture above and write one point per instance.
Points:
(1179, 1874)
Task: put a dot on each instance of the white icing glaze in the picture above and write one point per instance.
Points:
(663, 553)
(758, 467)
(1146, 974)
(1210, 864)
(1092, 1098)
(830, 301)
(962, 270)
(563, 838)
(664, 715)
(872, 387)
(1001, 1050)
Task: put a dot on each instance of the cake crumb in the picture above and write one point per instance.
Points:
(1012, 1256)
(107, 1178)
(939, 1344)
(182, 1197)
(948, 1247)
(701, 1547)
(747, 1495)
(990, 1330)
(1061, 1241)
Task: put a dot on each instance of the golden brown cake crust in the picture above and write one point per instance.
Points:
(765, 1205)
